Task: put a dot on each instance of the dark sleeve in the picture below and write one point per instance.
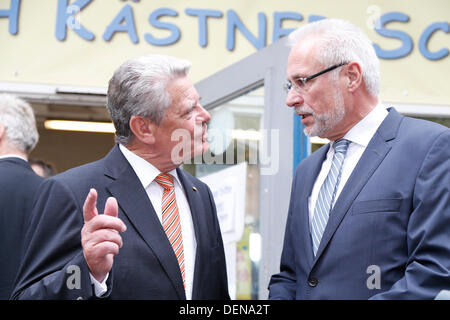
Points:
(282, 286)
(427, 270)
(53, 265)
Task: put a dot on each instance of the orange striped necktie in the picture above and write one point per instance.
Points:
(171, 219)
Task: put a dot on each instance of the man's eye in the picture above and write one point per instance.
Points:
(299, 83)
(188, 113)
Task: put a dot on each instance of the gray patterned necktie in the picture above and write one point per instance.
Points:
(327, 193)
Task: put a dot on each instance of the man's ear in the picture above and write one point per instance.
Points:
(143, 129)
(354, 76)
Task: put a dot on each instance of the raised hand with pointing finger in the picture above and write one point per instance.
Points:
(100, 236)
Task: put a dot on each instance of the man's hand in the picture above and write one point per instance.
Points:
(100, 236)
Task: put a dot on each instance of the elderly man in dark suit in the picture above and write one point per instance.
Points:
(18, 184)
(159, 236)
(369, 215)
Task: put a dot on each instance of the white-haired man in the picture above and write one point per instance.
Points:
(369, 214)
(172, 247)
(18, 184)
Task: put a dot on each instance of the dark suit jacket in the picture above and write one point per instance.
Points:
(18, 184)
(146, 266)
(388, 235)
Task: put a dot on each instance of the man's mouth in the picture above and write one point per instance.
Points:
(303, 112)
(304, 115)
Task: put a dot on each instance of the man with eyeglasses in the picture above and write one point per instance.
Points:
(369, 215)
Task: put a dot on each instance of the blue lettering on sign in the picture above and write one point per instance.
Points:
(278, 18)
(315, 17)
(154, 21)
(126, 14)
(13, 14)
(202, 15)
(407, 43)
(234, 22)
(425, 38)
(65, 18)
(124, 21)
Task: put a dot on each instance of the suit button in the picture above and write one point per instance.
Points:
(312, 282)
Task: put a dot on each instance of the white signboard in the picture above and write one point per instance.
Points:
(228, 189)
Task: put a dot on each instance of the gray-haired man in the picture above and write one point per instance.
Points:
(159, 236)
(369, 213)
(18, 184)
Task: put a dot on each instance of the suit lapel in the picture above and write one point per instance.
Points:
(374, 154)
(195, 204)
(194, 200)
(307, 181)
(135, 204)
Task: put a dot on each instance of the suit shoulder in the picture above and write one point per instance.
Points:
(421, 134)
(77, 181)
(425, 128)
(13, 173)
(81, 172)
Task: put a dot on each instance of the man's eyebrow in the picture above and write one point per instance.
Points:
(297, 76)
(190, 108)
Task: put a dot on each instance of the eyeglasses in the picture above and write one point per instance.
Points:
(299, 84)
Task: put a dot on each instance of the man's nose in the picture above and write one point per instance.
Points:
(204, 114)
(294, 98)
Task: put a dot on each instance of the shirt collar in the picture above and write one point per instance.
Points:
(145, 171)
(13, 156)
(363, 131)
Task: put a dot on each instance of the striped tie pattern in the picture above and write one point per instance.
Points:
(171, 219)
(327, 193)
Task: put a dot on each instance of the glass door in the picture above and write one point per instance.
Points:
(235, 133)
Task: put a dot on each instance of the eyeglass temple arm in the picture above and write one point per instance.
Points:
(322, 72)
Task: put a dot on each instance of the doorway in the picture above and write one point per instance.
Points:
(251, 121)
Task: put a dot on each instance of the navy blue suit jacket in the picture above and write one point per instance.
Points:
(388, 235)
(146, 266)
(18, 185)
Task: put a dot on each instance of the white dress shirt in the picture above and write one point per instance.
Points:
(360, 136)
(147, 173)
(13, 156)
